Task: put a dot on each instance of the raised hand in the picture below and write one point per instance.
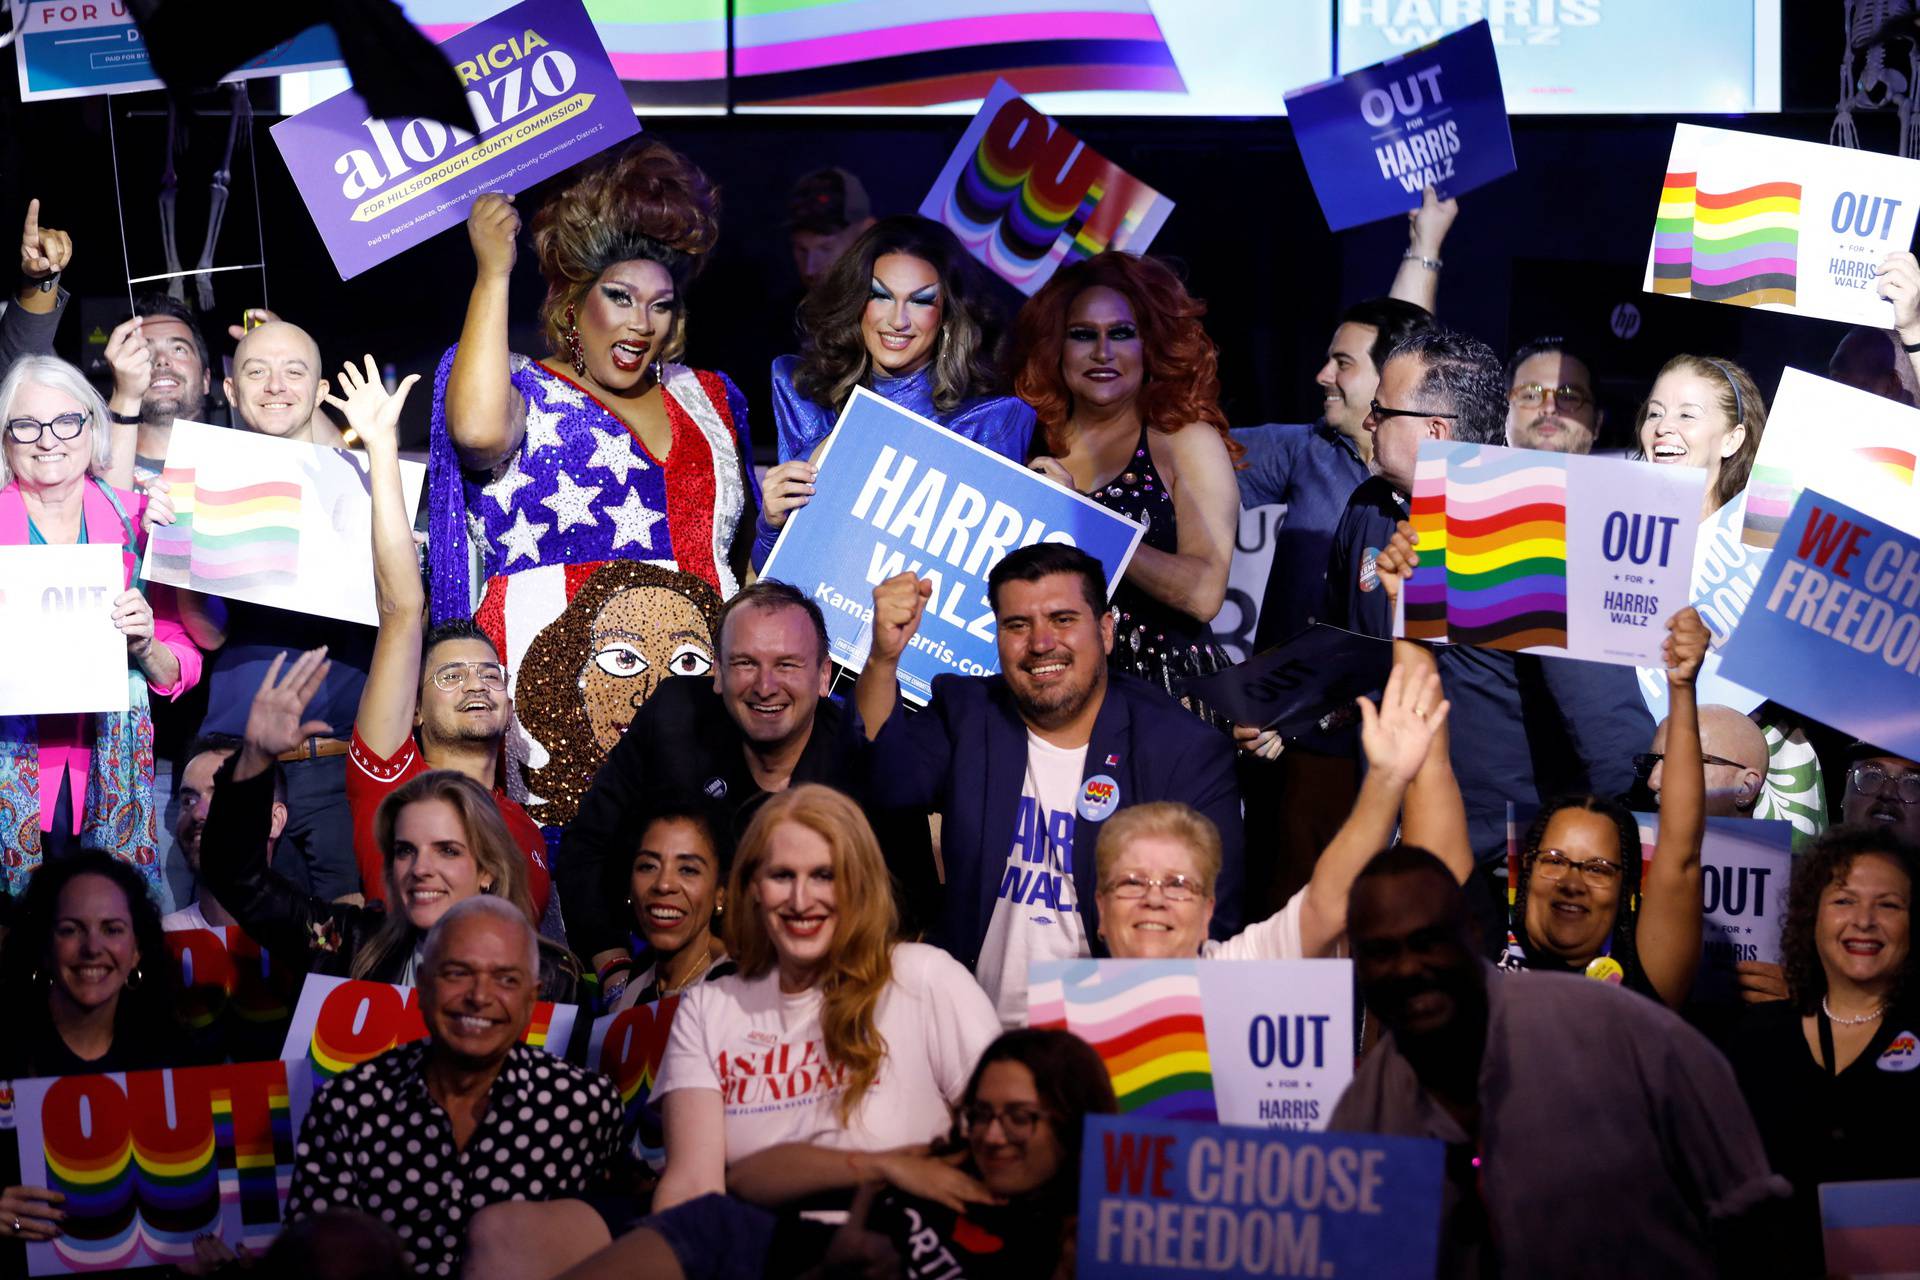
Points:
(1898, 281)
(1685, 647)
(493, 226)
(1396, 735)
(898, 603)
(251, 318)
(274, 723)
(787, 488)
(368, 407)
(159, 510)
(131, 360)
(1428, 225)
(44, 252)
(1397, 560)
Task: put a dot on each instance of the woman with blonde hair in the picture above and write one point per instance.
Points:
(1709, 414)
(441, 838)
(833, 1057)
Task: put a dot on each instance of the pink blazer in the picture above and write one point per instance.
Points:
(66, 742)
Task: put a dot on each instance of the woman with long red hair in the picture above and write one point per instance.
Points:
(1125, 384)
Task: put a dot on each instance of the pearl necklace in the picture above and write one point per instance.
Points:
(1839, 1021)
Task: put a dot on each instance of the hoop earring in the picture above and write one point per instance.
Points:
(574, 353)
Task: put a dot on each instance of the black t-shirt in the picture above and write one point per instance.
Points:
(1860, 1125)
(1004, 1242)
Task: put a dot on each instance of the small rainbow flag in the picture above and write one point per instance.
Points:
(228, 540)
(1673, 235)
(1740, 247)
(1426, 602)
(1507, 552)
(1148, 1026)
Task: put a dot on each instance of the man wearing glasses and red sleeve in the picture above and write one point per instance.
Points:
(447, 686)
(1550, 400)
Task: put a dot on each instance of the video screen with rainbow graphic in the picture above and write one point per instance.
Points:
(1563, 554)
(1268, 1043)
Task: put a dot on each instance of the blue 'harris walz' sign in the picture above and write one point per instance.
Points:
(898, 492)
(1375, 138)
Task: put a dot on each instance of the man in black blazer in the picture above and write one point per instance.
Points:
(1025, 766)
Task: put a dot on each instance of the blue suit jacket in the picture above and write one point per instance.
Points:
(965, 756)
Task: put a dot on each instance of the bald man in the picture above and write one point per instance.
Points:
(1736, 761)
(276, 387)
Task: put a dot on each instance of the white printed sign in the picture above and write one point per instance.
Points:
(59, 649)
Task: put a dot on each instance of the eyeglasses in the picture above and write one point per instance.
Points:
(1551, 864)
(64, 427)
(1378, 410)
(1172, 888)
(451, 675)
(1643, 763)
(1531, 395)
(1871, 780)
(1016, 1122)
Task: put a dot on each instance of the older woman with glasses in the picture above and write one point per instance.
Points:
(1581, 903)
(82, 780)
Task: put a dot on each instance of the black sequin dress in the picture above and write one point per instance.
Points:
(1151, 639)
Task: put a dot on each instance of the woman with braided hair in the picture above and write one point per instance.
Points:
(603, 448)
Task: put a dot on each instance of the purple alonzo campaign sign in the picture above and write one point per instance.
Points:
(897, 492)
(1833, 629)
(1375, 138)
(545, 96)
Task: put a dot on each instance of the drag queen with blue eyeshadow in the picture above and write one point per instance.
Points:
(904, 313)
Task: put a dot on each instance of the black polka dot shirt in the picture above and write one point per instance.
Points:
(376, 1141)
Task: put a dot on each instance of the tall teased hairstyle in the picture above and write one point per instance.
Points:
(1462, 377)
(52, 371)
(1167, 819)
(648, 201)
(1392, 321)
(1181, 382)
(771, 593)
(1826, 863)
(1740, 398)
(1626, 920)
(547, 696)
(145, 1012)
(1039, 560)
(488, 839)
(1072, 1082)
(859, 963)
(833, 355)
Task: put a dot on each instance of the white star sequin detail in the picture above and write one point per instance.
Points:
(570, 502)
(543, 429)
(508, 483)
(523, 539)
(616, 454)
(633, 521)
(558, 392)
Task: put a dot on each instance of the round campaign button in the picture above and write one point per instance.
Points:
(716, 787)
(1099, 797)
(1605, 969)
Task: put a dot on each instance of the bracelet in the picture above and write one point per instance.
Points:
(1908, 347)
(124, 419)
(1431, 264)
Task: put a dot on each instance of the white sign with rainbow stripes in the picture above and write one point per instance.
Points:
(277, 522)
(1780, 224)
(1853, 446)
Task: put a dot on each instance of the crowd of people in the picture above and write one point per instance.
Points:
(589, 756)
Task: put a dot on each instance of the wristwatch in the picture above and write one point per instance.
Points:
(47, 285)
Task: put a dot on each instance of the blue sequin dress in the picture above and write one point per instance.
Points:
(1003, 424)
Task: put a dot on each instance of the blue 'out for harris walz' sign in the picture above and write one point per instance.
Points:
(898, 492)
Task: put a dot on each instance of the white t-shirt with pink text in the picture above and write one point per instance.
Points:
(762, 1051)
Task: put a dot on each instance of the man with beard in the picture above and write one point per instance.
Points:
(436, 700)
(160, 372)
(1588, 1132)
(1550, 401)
(1883, 792)
(1026, 766)
(763, 724)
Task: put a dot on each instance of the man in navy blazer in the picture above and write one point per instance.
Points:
(1024, 767)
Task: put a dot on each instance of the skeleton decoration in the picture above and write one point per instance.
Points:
(1880, 71)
